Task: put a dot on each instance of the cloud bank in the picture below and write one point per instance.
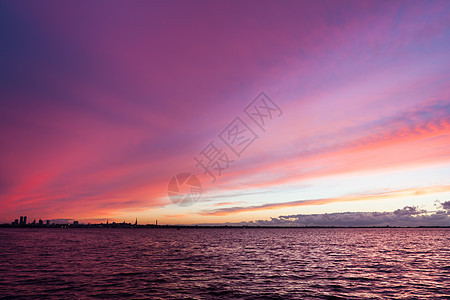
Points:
(407, 216)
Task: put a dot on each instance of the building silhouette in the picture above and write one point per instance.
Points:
(23, 220)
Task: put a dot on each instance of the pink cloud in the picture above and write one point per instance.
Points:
(104, 103)
(359, 197)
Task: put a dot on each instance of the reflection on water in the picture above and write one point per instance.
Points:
(225, 263)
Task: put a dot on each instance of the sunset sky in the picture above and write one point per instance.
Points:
(103, 102)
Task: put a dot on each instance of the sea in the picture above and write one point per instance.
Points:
(225, 263)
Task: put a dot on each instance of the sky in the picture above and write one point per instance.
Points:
(281, 112)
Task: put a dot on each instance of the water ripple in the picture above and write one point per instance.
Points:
(225, 263)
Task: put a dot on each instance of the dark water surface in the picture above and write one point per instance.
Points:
(225, 263)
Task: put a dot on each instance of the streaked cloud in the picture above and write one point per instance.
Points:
(359, 197)
(97, 116)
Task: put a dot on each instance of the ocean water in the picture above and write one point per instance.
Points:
(160, 263)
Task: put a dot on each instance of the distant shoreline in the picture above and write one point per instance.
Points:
(104, 226)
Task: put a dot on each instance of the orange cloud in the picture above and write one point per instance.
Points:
(228, 203)
(358, 197)
(174, 216)
(424, 143)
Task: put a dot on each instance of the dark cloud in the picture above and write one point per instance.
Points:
(408, 211)
(442, 207)
(446, 205)
(407, 216)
